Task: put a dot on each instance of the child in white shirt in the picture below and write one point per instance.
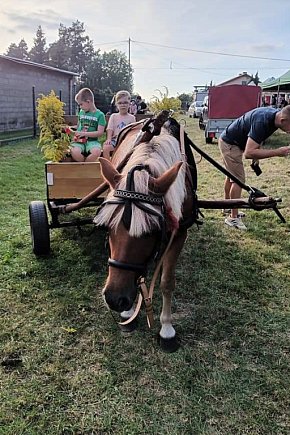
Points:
(117, 122)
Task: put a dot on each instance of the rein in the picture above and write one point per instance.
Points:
(147, 295)
(254, 193)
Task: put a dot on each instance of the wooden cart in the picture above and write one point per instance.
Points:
(65, 183)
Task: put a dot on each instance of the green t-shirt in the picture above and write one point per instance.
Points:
(90, 121)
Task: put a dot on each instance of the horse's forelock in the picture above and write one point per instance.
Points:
(158, 155)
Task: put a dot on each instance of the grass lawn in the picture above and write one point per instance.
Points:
(67, 369)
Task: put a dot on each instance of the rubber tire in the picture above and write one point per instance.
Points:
(39, 228)
(208, 140)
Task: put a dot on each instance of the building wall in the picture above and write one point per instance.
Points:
(16, 83)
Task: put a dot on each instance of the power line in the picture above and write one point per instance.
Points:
(212, 52)
(111, 43)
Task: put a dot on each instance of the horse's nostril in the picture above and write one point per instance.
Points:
(123, 304)
(118, 304)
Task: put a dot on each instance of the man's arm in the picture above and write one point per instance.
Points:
(253, 151)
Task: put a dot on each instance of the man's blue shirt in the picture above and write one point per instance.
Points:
(258, 124)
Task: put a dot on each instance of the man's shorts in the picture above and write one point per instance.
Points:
(86, 147)
(232, 157)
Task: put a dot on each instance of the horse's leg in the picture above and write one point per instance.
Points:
(168, 341)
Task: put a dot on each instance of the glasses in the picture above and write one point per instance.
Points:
(122, 102)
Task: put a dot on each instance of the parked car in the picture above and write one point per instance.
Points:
(195, 109)
(203, 117)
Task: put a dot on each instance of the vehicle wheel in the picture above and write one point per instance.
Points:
(39, 228)
(208, 140)
(194, 115)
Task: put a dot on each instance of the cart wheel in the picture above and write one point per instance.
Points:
(39, 228)
(208, 140)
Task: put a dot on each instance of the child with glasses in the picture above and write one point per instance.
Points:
(117, 122)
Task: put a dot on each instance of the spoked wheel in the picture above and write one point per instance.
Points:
(39, 228)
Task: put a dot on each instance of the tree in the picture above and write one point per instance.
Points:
(73, 50)
(19, 51)
(58, 55)
(38, 53)
(255, 79)
(106, 74)
(185, 99)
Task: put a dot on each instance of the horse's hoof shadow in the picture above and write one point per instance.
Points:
(130, 328)
(168, 345)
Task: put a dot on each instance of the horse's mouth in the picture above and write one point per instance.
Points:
(118, 303)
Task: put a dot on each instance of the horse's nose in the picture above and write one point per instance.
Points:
(117, 303)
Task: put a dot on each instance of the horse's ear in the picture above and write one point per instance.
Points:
(111, 175)
(161, 184)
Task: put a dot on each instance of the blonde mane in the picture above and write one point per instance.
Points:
(158, 155)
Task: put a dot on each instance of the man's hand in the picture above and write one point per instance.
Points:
(283, 151)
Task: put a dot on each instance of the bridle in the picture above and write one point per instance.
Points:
(126, 198)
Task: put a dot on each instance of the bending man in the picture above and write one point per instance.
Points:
(245, 137)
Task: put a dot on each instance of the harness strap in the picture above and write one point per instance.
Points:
(146, 295)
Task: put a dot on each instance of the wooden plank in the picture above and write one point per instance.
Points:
(72, 180)
(74, 169)
(74, 188)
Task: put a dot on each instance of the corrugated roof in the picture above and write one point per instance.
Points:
(284, 79)
(38, 65)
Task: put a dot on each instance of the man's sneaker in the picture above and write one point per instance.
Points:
(236, 223)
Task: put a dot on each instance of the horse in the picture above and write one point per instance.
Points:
(151, 199)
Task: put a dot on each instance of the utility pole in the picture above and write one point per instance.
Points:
(129, 56)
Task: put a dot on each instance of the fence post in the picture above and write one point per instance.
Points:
(74, 101)
(60, 95)
(34, 111)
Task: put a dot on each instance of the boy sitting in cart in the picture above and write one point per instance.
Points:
(85, 146)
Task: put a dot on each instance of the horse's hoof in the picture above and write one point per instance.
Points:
(130, 327)
(168, 345)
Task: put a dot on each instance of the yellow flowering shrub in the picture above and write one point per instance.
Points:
(163, 102)
(53, 141)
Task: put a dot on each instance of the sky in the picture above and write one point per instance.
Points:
(174, 44)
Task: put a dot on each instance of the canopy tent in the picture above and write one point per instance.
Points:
(282, 83)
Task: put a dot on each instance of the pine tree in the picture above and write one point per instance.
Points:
(73, 49)
(19, 51)
(38, 52)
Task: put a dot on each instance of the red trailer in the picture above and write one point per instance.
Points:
(224, 105)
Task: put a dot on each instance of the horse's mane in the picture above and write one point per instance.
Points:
(158, 155)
